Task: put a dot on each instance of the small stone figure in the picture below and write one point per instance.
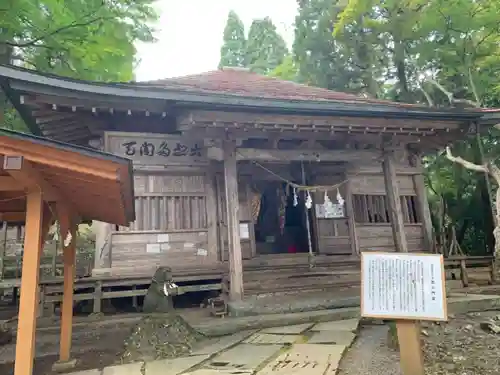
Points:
(159, 296)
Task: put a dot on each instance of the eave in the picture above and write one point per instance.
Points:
(22, 80)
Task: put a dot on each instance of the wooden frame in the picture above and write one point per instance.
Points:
(26, 164)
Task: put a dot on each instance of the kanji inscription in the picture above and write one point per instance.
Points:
(155, 149)
(403, 286)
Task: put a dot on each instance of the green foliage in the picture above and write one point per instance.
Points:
(287, 70)
(344, 62)
(233, 51)
(266, 49)
(92, 39)
(263, 51)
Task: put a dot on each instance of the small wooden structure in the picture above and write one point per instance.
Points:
(41, 181)
(221, 158)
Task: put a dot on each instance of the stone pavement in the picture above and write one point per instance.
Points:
(303, 349)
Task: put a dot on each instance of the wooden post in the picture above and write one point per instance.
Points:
(233, 229)
(423, 208)
(211, 207)
(351, 221)
(69, 257)
(410, 347)
(394, 202)
(3, 249)
(28, 306)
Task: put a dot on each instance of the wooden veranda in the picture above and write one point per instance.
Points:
(42, 181)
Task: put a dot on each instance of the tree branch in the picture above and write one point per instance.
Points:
(34, 42)
(450, 96)
(465, 163)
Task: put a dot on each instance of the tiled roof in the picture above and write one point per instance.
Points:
(241, 82)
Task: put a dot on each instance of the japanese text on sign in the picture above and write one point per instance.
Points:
(164, 149)
(403, 286)
(156, 149)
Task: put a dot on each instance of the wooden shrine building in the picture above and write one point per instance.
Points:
(44, 180)
(234, 171)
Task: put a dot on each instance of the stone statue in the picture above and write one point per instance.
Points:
(158, 299)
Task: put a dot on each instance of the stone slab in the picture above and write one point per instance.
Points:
(64, 366)
(243, 357)
(87, 372)
(267, 338)
(215, 345)
(127, 369)
(332, 337)
(288, 330)
(173, 366)
(306, 359)
(347, 325)
(205, 371)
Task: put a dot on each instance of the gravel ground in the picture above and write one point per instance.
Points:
(370, 355)
(462, 346)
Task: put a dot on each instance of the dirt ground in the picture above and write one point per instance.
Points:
(97, 342)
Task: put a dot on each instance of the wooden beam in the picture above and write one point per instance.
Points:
(12, 217)
(28, 176)
(69, 258)
(293, 121)
(9, 184)
(256, 154)
(233, 228)
(394, 202)
(28, 306)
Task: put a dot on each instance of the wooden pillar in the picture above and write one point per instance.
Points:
(233, 229)
(394, 202)
(351, 221)
(69, 258)
(423, 208)
(213, 248)
(102, 257)
(3, 249)
(28, 305)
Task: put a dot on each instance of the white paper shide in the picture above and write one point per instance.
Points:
(403, 286)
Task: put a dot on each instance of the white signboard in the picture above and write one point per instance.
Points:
(163, 237)
(154, 248)
(403, 286)
(244, 231)
(332, 211)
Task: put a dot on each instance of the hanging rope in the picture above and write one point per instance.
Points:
(300, 187)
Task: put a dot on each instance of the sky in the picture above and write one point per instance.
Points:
(189, 33)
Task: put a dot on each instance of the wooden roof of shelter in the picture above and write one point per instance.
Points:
(93, 184)
(76, 111)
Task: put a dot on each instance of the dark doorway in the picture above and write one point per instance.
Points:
(280, 225)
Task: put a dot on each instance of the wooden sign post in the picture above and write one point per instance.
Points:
(407, 288)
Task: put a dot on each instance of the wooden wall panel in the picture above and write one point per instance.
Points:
(378, 237)
(374, 185)
(245, 217)
(182, 250)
